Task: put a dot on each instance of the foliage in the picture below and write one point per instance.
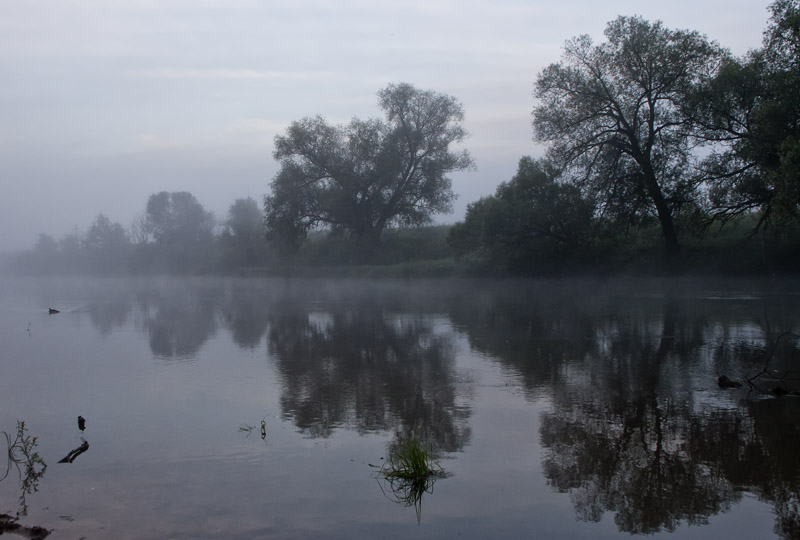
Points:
(22, 454)
(531, 221)
(750, 114)
(243, 241)
(615, 118)
(359, 179)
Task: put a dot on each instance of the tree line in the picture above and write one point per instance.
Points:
(174, 233)
(656, 139)
(653, 129)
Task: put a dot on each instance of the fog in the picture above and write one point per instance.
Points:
(104, 104)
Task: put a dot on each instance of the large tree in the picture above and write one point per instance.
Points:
(370, 174)
(615, 117)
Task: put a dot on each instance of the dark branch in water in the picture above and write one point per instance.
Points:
(765, 371)
(69, 458)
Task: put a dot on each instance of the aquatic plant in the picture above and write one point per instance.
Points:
(249, 429)
(409, 473)
(411, 461)
(22, 454)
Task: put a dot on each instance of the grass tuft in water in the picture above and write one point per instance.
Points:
(410, 472)
(411, 461)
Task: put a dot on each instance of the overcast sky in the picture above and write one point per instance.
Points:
(104, 102)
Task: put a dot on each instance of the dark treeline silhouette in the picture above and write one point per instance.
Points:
(665, 153)
(656, 138)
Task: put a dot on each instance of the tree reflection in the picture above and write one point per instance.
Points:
(245, 311)
(638, 429)
(355, 364)
(178, 318)
(107, 316)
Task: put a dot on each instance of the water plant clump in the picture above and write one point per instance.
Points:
(409, 473)
(411, 461)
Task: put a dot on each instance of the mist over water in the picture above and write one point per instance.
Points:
(578, 408)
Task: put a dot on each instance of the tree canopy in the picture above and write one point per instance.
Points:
(530, 222)
(615, 117)
(360, 178)
(750, 115)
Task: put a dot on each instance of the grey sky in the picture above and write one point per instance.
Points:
(104, 102)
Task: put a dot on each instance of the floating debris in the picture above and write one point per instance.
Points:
(52, 311)
(81, 423)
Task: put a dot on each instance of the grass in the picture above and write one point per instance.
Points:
(409, 473)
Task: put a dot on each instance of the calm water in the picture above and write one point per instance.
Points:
(558, 409)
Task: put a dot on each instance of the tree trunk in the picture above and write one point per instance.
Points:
(664, 214)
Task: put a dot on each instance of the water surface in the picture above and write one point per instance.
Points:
(559, 409)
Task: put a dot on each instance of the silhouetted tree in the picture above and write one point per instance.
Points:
(614, 115)
(360, 178)
(750, 113)
(532, 221)
(243, 237)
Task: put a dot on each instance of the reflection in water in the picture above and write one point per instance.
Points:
(359, 365)
(638, 426)
(178, 317)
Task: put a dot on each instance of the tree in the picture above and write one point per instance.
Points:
(243, 233)
(750, 114)
(530, 221)
(106, 245)
(181, 227)
(614, 115)
(360, 178)
(103, 235)
(177, 218)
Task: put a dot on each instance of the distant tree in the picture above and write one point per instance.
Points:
(103, 235)
(178, 217)
(106, 245)
(750, 113)
(360, 178)
(532, 221)
(243, 233)
(140, 230)
(182, 229)
(616, 119)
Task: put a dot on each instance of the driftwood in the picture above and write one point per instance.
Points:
(69, 458)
